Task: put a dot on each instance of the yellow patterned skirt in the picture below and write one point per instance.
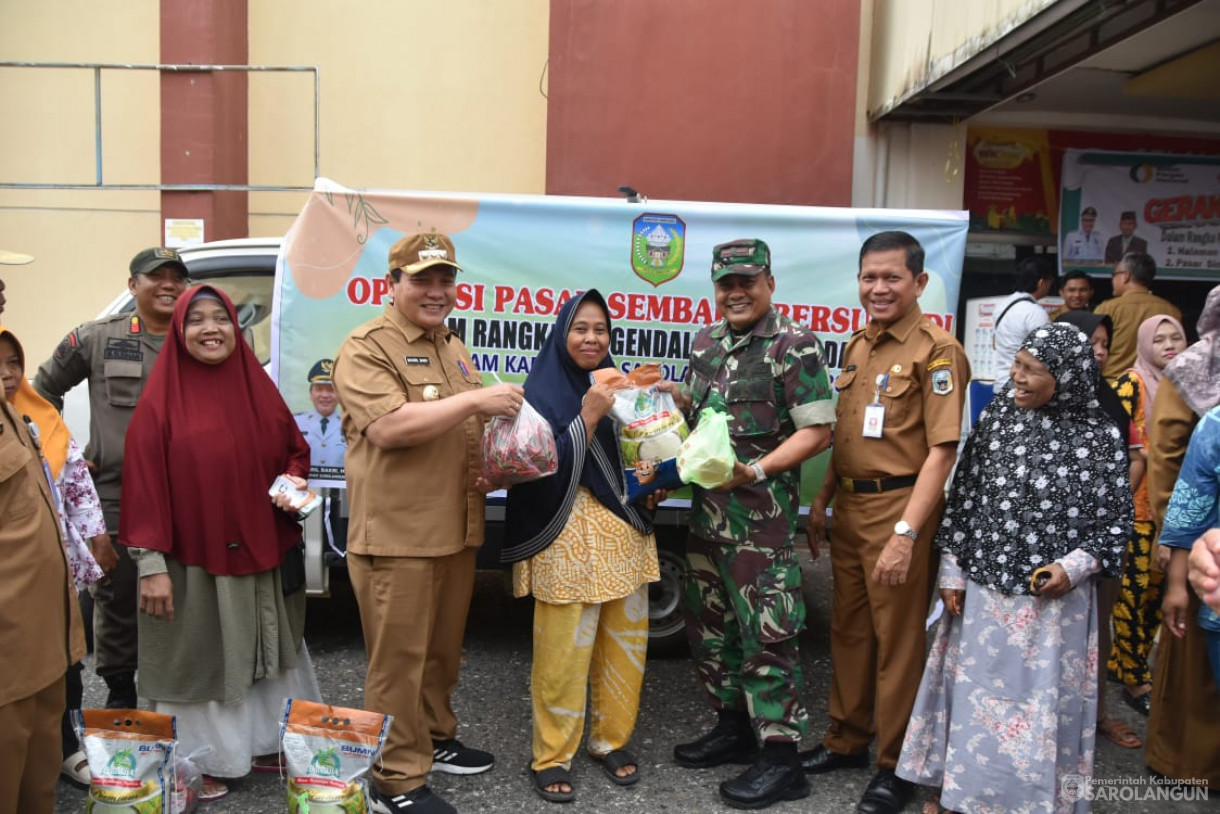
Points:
(596, 558)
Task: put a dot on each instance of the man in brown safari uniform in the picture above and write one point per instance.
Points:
(413, 410)
(899, 418)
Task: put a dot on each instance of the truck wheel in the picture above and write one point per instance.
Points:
(667, 629)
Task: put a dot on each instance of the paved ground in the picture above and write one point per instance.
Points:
(493, 706)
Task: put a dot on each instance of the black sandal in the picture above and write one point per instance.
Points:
(613, 761)
(553, 777)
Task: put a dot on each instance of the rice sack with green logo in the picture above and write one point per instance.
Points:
(131, 760)
(328, 751)
(650, 429)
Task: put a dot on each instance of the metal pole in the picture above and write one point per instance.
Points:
(98, 67)
(97, 124)
(317, 123)
(166, 187)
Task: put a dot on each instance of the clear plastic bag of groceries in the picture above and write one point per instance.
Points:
(650, 430)
(519, 449)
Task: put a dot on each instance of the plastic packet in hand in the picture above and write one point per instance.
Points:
(650, 430)
(519, 449)
(707, 457)
(328, 751)
(304, 501)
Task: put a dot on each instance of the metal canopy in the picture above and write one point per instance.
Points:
(1020, 61)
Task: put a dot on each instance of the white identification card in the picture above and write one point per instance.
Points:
(874, 420)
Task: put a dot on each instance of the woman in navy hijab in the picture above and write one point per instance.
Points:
(587, 556)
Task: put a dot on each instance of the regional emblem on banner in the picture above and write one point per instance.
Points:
(658, 244)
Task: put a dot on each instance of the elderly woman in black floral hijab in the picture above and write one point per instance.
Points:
(1008, 702)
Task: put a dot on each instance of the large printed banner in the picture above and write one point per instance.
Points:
(1165, 205)
(523, 256)
(1009, 182)
(1012, 175)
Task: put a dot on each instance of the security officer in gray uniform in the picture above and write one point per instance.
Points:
(116, 355)
(322, 425)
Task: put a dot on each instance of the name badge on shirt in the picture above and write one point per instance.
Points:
(417, 360)
(874, 413)
(874, 420)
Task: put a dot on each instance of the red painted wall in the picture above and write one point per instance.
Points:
(719, 100)
(204, 133)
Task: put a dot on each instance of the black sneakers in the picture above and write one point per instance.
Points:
(415, 801)
(451, 757)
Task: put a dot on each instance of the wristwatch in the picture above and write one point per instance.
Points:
(904, 529)
(760, 474)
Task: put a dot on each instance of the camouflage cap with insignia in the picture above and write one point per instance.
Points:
(415, 253)
(749, 257)
(321, 370)
(152, 259)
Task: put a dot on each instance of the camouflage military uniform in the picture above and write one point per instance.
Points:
(743, 589)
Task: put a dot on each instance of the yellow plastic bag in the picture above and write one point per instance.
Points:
(707, 455)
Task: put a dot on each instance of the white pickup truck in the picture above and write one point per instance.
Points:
(245, 269)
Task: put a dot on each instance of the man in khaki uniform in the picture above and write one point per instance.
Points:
(1132, 303)
(413, 409)
(116, 355)
(899, 417)
(41, 635)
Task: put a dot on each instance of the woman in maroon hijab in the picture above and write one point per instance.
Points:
(220, 642)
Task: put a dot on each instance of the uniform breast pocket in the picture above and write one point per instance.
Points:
(751, 406)
(844, 381)
(423, 383)
(18, 495)
(896, 397)
(124, 381)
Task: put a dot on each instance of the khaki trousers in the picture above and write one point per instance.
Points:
(877, 635)
(413, 611)
(30, 751)
(581, 646)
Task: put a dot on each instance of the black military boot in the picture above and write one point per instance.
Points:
(122, 693)
(731, 741)
(776, 775)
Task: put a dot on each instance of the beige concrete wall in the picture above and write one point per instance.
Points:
(426, 94)
(902, 165)
(917, 41)
(82, 240)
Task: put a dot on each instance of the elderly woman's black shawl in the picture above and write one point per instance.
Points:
(1035, 484)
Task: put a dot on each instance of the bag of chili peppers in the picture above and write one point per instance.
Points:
(518, 449)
